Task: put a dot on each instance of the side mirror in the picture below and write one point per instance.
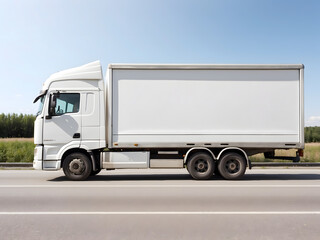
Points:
(52, 105)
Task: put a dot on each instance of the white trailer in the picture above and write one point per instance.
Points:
(208, 118)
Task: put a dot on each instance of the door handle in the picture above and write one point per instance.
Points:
(76, 135)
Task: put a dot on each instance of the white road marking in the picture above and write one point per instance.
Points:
(167, 213)
(163, 186)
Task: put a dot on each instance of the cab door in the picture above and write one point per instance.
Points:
(62, 128)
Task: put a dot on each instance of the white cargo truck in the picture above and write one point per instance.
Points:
(208, 118)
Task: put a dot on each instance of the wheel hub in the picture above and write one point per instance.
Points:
(201, 165)
(76, 166)
(232, 166)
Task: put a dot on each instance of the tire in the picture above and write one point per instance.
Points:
(232, 166)
(77, 167)
(201, 166)
(93, 173)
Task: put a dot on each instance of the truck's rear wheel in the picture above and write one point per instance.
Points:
(232, 166)
(201, 166)
(77, 166)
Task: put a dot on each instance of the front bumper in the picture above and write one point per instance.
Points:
(37, 165)
(37, 157)
(40, 164)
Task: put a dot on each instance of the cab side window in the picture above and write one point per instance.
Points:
(67, 103)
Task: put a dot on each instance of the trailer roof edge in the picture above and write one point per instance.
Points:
(207, 66)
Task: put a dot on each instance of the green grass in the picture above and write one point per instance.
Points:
(312, 152)
(16, 151)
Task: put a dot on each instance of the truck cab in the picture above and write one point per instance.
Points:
(71, 115)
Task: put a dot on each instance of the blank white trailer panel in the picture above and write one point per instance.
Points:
(209, 106)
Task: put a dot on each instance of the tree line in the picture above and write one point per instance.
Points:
(312, 134)
(21, 126)
(16, 125)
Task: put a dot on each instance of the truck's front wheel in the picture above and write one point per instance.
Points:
(77, 166)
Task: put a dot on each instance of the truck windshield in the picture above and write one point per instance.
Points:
(40, 105)
(41, 96)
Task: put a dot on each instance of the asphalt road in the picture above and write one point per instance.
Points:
(160, 204)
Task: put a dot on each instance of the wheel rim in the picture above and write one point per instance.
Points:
(201, 165)
(232, 166)
(77, 166)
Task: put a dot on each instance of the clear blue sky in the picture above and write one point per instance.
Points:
(38, 38)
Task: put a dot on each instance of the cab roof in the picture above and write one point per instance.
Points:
(90, 71)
